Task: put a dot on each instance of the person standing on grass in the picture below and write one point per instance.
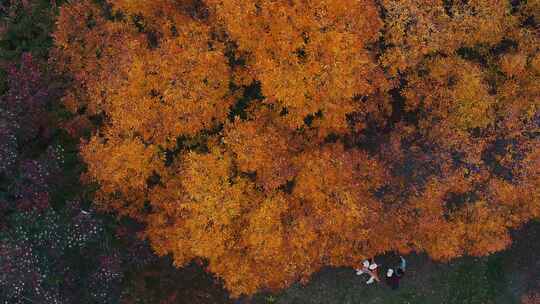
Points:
(371, 269)
(393, 277)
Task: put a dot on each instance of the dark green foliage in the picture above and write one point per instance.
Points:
(158, 282)
(27, 28)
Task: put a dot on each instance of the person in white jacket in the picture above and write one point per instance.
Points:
(371, 269)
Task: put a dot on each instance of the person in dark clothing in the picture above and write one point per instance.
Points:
(393, 277)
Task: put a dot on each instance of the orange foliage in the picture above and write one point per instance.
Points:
(418, 28)
(412, 130)
(90, 48)
(310, 56)
(452, 219)
(453, 90)
(264, 146)
(122, 167)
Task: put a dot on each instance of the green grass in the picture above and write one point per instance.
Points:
(469, 280)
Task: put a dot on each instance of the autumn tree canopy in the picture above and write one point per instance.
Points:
(272, 138)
